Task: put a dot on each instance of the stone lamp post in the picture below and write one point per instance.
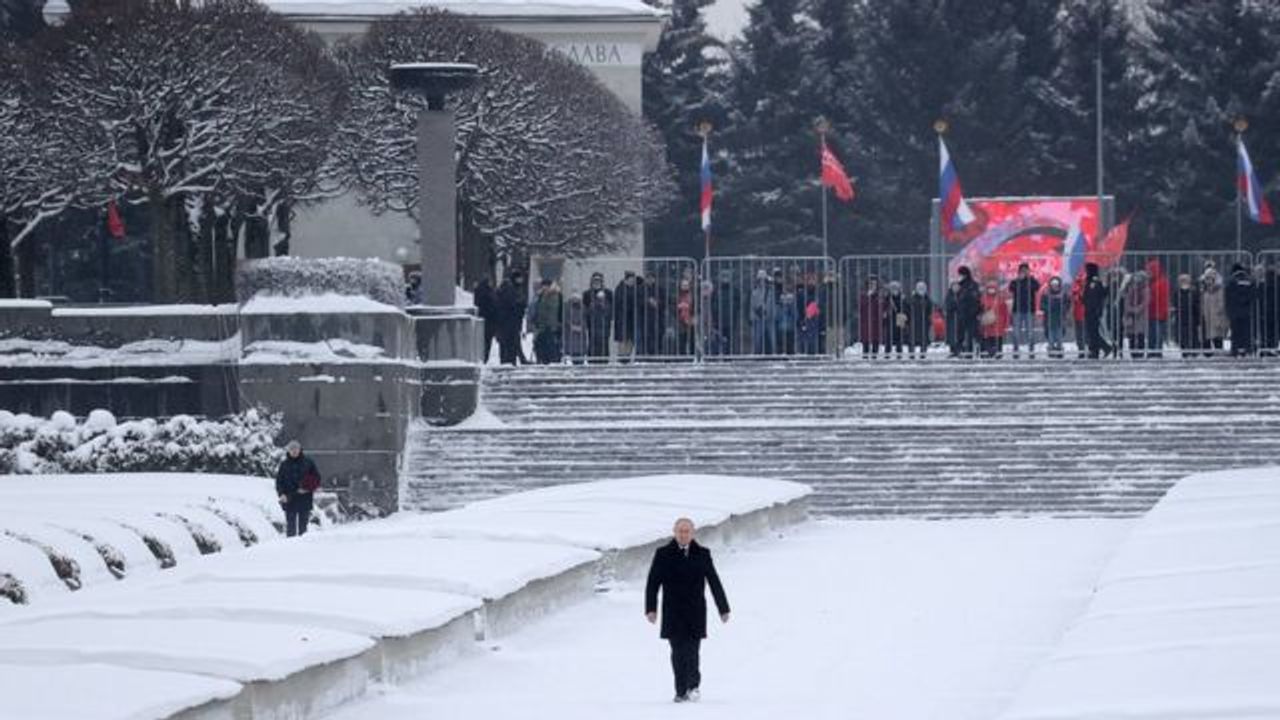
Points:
(448, 336)
(437, 171)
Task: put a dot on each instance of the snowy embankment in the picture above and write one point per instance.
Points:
(1186, 619)
(296, 628)
(65, 533)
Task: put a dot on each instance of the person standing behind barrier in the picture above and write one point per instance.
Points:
(1137, 299)
(763, 310)
(1158, 309)
(919, 320)
(597, 301)
(1213, 311)
(627, 304)
(686, 320)
(1055, 305)
(895, 320)
(652, 328)
(509, 311)
(969, 308)
(546, 314)
(813, 323)
(1077, 317)
(994, 321)
(951, 310)
(1268, 310)
(1096, 302)
(787, 320)
(726, 311)
(1240, 296)
(575, 330)
(871, 315)
(486, 301)
(1187, 316)
(1024, 289)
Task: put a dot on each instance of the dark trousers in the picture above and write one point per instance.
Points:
(295, 521)
(684, 663)
(490, 332)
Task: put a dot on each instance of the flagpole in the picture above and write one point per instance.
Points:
(823, 126)
(1102, 219)
(1240, 126)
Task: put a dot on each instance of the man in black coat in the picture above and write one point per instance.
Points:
(1096, 301)
(296, 483)
(682, 569)
(968, 308)
(1241, 295)
(486, 300)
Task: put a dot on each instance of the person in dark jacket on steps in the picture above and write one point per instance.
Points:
(296, 483)
(683, 569)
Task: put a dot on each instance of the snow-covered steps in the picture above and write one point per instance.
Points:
(296, 628)
(874, 439)
(1185, 621)
(66, 533)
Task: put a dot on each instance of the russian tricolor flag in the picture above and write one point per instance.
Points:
(705, 203)
(1250, 190)
(1074, 250)
(956, 215)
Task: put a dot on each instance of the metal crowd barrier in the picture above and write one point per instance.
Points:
(1143, 304)
(618, 310)
(770, 307)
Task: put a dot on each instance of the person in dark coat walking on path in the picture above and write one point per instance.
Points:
(509, 307)
(296, 483)
(683, 569)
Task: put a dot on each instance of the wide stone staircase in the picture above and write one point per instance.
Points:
(874, 439)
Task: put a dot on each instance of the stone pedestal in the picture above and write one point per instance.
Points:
(449, 343)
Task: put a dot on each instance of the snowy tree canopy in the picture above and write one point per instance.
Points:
(549, 161)
(171, 104)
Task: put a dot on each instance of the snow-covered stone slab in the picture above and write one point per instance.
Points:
(377, 611)
(1185, 622)
(103, 692)
(239, 651)
(605, 515)
(96, 529)
(479, 568)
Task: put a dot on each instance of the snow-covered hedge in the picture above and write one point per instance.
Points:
(243, 444)
(298, 277)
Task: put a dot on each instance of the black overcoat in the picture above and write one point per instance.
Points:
(289, 481)
(683, 580)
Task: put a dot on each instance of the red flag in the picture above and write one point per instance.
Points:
(115, 223)
(833, 174)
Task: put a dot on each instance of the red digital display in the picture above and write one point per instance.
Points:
(1008, 232)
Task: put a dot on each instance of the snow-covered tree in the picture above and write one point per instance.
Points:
(1209, 63)
(194, 111)
(685, 83)
(771, 197)
(19, 18)
(35, 178)
(549, 161)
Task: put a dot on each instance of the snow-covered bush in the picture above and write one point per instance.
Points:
(243, 444)
(298, 277)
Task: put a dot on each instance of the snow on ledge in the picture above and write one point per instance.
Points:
(326, 304)
(1185, 622)
(145, 310)
(14, 304)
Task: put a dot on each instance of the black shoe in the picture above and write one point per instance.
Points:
(681, 698)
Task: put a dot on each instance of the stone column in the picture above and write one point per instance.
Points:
(437, 206)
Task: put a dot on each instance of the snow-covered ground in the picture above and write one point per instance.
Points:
(835, 620)
(320, 618)
(1186, 620)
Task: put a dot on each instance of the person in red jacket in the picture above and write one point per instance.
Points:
(993, 323)
(1077, 315)
(1157, 309)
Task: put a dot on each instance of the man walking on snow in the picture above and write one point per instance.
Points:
(682, 569)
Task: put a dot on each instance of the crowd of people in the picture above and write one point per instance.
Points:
(761, 312)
